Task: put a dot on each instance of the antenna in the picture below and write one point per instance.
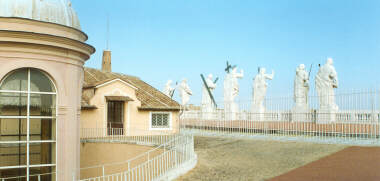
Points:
(108, 31)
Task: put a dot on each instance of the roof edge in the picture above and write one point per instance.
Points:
(158, 109)
(114, 80)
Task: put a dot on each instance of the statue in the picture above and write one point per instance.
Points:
(301, 94)
(208, 105)
(326, 81)
(301, 87)
(169, 90)
(231, 90)
(184, 92)
(260, 86)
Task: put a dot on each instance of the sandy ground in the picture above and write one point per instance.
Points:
(237, 159)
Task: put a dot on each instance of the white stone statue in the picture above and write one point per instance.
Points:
(184, 92)
(301, 109)
(326, 81)
(169, 90)
(260, 86)
(231, 90)
(208, 106)
(301, 88)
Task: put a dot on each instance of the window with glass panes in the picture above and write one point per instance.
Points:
(160, 120)
(27, 126)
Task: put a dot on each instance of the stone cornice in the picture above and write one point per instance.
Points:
(23, 24)
(46, 40)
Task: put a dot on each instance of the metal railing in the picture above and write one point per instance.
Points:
(104, 135)
(173, 152)
(357, 121)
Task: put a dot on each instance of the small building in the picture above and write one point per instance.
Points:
(119, 104)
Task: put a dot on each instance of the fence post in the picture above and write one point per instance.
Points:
(73, 176)
(129, 166)
(39, 177)
(103, 171)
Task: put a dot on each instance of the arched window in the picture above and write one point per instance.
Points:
(27, 126)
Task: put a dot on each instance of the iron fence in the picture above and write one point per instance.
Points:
(356, 121)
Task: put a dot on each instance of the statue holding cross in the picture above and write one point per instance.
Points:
(231, 90)
(208, 102)
(168, 89)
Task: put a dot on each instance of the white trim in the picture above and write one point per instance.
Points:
(114, 80)
(13, 117)
(25, 166)
(28, 131)
(42, 165)
(160, 129)
(13, 91)
(13, 167)
(25, 92)
(12, 142)
(24, 142)
(25, 117)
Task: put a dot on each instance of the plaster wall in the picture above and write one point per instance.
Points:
(136, 122)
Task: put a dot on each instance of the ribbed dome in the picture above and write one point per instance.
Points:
(53, 11)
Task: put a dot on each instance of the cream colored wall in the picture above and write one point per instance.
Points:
(94, 154)
(135, 122)
(141, 125)
(97, 118)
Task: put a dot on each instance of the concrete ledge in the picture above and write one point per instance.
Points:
(179, 171)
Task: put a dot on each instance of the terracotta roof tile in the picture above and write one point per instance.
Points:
(150, 97)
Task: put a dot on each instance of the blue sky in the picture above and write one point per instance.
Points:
(175, 39)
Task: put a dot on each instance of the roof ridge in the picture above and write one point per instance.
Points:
(115, 73)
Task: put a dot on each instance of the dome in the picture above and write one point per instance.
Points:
(52, 11)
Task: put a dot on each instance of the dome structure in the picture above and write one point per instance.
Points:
(52, 11)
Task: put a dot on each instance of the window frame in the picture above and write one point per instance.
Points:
(28, 118)
(153, 128)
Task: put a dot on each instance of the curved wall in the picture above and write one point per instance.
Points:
(61, 54)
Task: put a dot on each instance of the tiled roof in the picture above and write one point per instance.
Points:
(150, 97)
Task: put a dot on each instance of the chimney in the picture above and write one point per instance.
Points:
(106, 63)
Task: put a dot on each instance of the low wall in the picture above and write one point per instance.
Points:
(114, 154)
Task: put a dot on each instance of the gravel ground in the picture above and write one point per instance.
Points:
(238, 159)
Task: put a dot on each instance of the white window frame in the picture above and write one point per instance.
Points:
(160, 129)
(28, 118)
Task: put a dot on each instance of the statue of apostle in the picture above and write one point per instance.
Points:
(260, 86)
(231, 90)
(169, 90)
(208, 107)
(326, 81)
(301, 87)
(184, 92)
